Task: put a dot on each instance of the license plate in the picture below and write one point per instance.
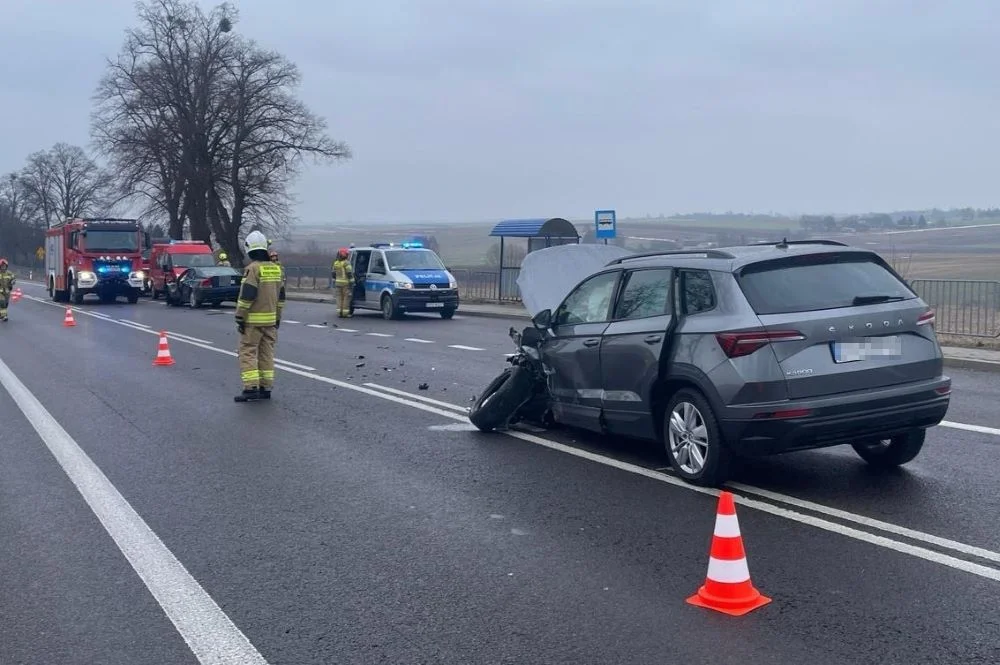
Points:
(435, 304)
(871, 347)
(232, 281)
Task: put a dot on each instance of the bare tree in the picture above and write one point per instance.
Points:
(203, 123)
(63, 182)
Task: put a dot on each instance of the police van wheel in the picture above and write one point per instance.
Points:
(447, 313)
(388, 311)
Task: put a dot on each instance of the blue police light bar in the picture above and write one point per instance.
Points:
(413, 245)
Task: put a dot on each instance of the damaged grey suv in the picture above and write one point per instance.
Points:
(742, 351)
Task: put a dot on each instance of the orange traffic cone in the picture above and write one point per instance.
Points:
(163, 357)
(727, 587)
(69, 322)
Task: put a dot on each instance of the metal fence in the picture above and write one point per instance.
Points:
(969, 308)
(966, 307)
(474, 284)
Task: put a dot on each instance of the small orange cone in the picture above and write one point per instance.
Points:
(727, 587)
(69, 322)
(16, 294)
(163, 357)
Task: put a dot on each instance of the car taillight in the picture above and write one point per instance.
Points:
(926, 319)
(207, 283)
(738, 344)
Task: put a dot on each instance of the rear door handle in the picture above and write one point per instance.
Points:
(591, 342)
(653, 339)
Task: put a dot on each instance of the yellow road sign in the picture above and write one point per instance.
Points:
(40, 253)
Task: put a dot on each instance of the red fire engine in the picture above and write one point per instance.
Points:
(102, 256)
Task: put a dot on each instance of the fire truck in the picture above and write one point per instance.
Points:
(102, 256)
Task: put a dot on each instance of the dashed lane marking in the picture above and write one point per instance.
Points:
(762, 506)
(291, 364)
(290, 321)
(379, 334)
(465, 348)
(418, 340)
(352, 330)
(193, 339)
(134, 323)
(208, 631)
(315, 325)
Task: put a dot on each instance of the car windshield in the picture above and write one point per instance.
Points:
(414, 259)
(811, 283)
(193, 260)
(111, 241)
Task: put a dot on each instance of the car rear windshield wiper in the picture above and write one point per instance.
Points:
(871, 300)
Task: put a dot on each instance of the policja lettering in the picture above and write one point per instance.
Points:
(258, 316)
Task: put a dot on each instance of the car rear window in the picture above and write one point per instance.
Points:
(816, 282)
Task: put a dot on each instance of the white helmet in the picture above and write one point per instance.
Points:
(255, 240)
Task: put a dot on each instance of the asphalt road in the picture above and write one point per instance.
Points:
(355, 519)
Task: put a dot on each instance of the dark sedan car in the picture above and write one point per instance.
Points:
(205, 284)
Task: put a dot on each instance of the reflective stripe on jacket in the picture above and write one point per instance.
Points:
(6, 281)
(262, 294)
(343, 274)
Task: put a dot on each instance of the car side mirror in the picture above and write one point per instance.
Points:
(543, 320)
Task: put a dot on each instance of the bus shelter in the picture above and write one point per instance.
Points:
(539, 233)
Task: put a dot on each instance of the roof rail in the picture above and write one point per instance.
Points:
(709, 253)
(785, 242)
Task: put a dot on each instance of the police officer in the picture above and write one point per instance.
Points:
(343, 281)
(224, 260)
(6, 288)
(258, 316)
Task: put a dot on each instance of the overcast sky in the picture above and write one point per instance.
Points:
(474, 109)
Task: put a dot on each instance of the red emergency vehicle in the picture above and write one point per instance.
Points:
(170, 258)
(94, 255)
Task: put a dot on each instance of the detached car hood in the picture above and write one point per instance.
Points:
(548, 275)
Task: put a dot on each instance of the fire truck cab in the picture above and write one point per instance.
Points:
(98, 255)
(170, 258)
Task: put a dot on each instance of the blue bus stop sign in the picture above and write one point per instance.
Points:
(605, 224)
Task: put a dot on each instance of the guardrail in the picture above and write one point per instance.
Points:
(966, 307)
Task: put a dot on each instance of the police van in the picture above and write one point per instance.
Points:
(396, 279)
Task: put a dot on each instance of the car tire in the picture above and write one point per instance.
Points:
(501, 399)
(695, 434)
(133, 298)
(388, 311)
(447, 313)
(193, 300)
(74, 294)
(890, 453)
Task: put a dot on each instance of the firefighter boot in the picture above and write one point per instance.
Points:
(248, 395)
(265, 393)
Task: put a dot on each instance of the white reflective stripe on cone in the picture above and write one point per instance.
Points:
(728, 572)
(727, 526)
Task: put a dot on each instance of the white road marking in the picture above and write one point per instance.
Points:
(193, 339)
(419, 398)
(207, 630)
(982, 429)
(291, 364)
(134, 323)
(417, 402)
(380, 335)
(315, 325)
(345, 329)
(453, 427)
(418, 340)
(465, 348)
(289, 321)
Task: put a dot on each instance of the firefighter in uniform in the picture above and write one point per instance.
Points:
(224, 260)
(343, 281)
(6, 288)
(258, 316)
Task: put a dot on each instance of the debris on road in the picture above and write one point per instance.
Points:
(423, 386)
